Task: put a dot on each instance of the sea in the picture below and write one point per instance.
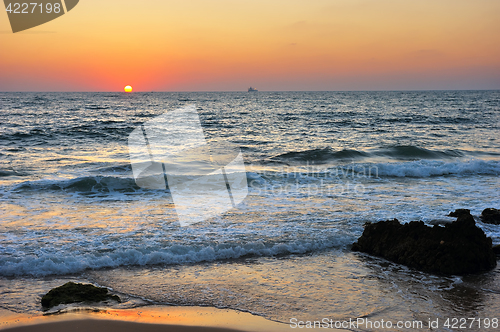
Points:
(318, 165)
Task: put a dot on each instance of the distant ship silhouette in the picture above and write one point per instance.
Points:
(250, 89)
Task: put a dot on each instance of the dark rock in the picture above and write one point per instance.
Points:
(491, 216)
(441, 222)
(496, 250)
(458, 248)
(459, 212)
(72, 292)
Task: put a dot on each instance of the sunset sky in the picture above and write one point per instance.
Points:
(274, 45)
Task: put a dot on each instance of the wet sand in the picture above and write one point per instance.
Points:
(96, 325)
(147, 319)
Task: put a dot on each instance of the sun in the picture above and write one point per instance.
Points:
(128, 88)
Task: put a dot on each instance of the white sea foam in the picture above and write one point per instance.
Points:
(429, 168)
(67, 263)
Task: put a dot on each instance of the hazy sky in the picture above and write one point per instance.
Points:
(226, 45)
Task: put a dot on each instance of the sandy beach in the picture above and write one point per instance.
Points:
(148, 319)
(98, 325)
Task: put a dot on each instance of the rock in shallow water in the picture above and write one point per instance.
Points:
(459, 212)
(491, 216)
(496, 250)
(458, 248)
(72, 292)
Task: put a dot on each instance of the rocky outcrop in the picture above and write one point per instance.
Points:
(496, 250)
(457, 248)
(72, 292)
(491, 216)
(458, 212)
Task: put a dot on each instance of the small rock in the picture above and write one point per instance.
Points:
(491, 216)
(72, 292)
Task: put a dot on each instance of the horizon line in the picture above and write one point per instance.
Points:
(226, 91)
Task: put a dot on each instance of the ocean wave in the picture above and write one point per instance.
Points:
(121, 168)
(318, 155)
(88, 130)
(126, 183)
(414, 168)
(96, 107)
(414, 152)
(84, 184)
(6, 173)
(20, 135)
(430, 168)
(397, 152)
(100, 183)
(52, 264)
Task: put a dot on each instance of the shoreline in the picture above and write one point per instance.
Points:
(149, 319)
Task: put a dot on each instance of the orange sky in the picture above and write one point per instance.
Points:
(226, 45)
